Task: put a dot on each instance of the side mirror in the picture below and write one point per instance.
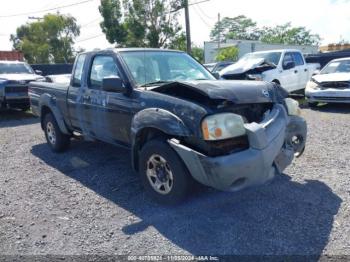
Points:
(113, 84)
(316, 72)
(216, 75)
(288, 65)
(38, 72)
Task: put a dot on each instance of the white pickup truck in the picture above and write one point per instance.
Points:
(286, 67)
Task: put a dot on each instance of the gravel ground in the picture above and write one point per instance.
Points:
(88, 200)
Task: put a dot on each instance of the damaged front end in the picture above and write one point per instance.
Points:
(271, 147)
(270, 136)
(253, 71)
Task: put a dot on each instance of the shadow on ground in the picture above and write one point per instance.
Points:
(12, 118)
(284, 217)
(333, 108)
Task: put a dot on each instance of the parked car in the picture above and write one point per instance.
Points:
(60, 79)
(179, 122)
(217, 67)
(14, 79)
(285, 67)
(331, 84)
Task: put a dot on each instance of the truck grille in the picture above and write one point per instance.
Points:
(252, 112)
(338, 84)
(16, 88)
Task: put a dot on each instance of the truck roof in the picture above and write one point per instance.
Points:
(278, 50)
(134, 49)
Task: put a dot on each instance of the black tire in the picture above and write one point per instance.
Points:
(24, 108)
(61, 141)
(181, 182)
(312, 104)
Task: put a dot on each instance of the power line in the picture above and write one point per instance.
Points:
(46, 10)
(89, 38)
(204, 13)
(201, 18)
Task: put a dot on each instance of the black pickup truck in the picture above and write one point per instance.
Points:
(180, 123)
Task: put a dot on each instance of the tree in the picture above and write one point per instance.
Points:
(140, 23)
(227, 54)
(198, 53)
(239, 27)
(48, 41)
(286, 34)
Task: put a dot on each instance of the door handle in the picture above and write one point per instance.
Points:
(305, 70)
(296, 71)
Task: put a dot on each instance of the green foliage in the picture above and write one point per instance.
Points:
(198, 53)
(48, 41)
(239, 27)
(227, 54)
(179, 42)
(286, 34)
(243, 28)
(140, 23)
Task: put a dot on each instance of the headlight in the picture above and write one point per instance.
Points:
(223, 126)
(311, 85)
(257, 77)
(293, 107)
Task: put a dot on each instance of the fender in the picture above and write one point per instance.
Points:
(50, 102)
(158, 119)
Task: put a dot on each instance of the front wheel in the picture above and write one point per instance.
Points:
(57, 140)
(163, 174)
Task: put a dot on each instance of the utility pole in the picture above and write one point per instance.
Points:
(219, 27)
(188, 29)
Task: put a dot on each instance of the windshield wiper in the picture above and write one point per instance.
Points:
(156, 83)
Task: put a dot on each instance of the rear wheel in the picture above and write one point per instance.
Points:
(312, 104)
(163, 174)
(57, 141)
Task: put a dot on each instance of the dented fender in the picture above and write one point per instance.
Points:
(158, 119)
(50, 102)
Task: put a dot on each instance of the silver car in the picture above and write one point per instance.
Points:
(331, 85)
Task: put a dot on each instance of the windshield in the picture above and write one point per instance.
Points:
(337, 67)
(149, 67)
(15, 68)
(273, 57)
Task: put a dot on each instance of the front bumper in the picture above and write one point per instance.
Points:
(271, 150)
(329, 95)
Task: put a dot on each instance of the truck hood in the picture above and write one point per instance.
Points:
(335, 77)
(238, 92)
(241, 66)
(20, 77)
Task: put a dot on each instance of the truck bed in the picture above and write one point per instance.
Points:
(57, 93)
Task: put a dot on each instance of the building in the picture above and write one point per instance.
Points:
(246, 46)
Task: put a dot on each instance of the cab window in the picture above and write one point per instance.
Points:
(102, 66)
(78, 72)
(298, 59)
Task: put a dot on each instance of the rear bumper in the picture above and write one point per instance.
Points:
(330, 95)
(270, 151)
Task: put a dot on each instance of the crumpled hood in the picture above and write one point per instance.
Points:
(241, 66)
(238, 92)
(335, 77)
(20, 77)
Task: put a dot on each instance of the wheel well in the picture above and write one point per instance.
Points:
(276, 81)
(44, 111)
(142, 137)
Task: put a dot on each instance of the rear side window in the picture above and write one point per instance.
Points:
(102, 67)
(287, 58)
(298, 59)
(78, 71)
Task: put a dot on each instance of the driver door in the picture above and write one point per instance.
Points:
(289, 77)
(112, 111)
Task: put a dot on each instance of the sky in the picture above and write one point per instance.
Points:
(329, 18)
